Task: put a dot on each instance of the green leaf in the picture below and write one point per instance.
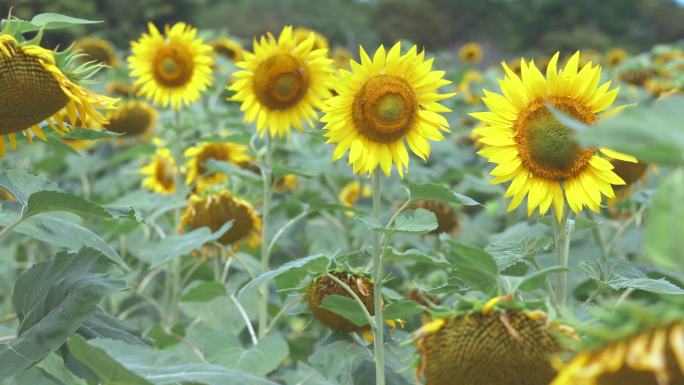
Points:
(624, 274)
(433, 191)
(109, 358)
(56, 21)
(174, 246)
(474, 266)
(403, 309)
(338, 358)
(70, 287)
(260, 360)
(346, 307)
(231, 169)
(105, 367)
(297, 268)
(204, 292)
(87, 134)
(664, 230)
(22, 184)
(419, 221)
(652, 133)
(46, 201)
(537, 279)
(236, 137)
(53, 229)
(140, 150)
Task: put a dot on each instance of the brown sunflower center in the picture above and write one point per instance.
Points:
(547, 147)
(281, 81)
(628, 171)
(132, 120)
(385, 108)
(242, 222)
(164, 173)
(173, 66)
(30, 93)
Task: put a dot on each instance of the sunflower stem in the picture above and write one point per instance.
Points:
(265, 249)
(378, 337)
(561, 241)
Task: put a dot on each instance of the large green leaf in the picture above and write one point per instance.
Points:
(619, 274)
(339, 357)
(297, 268)
(664, 230)
(22, 184)
(46, 201)
(51, 300)
(474, 266)
(346, 307)
(419, 221)
(433, 191)
(204, 292)
(652, 133)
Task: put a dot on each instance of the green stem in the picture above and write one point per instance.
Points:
(9, 227)
(378, 335)
(8, 318)
(560, 237)
(598, 237)
(265, 249)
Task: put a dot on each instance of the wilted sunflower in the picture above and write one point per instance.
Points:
(535, 150)
(322, 286)
(383, 102)
(160, 173)
(214, 210)
(229, 48)
(98, 50)
(196, 165)
(470, 53)
(133, 119)
(489, 346)
(120, 89)
(282, 83)
(300, 35)
(448, 220)
(638, 345)
(631, 173)
(615, 57)
(36, 89)
(341, 58)
(173, 68)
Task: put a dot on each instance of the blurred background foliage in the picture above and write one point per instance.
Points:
(503, 26)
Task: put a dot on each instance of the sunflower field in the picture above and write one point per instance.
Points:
(210, 192)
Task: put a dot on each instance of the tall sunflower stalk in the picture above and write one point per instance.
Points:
(378, 344)
(267, 176)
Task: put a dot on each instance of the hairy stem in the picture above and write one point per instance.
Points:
(378, 342)
(267, 174)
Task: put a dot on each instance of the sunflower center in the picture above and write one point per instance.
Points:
(547, 146)
(385, 108)
(281, 81)
(173, 66)
(164, 173)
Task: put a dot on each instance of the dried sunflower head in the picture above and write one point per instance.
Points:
(323, 286)
(97, 50)
(495, 344)
(133, 119)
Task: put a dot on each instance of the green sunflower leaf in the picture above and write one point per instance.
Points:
(664, 230)
(430, 191)
(345, 307)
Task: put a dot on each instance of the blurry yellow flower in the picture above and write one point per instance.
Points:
(341, 58)
(615, 57)
(171, 69)
(382, 103)
(352, 192)
(120, 89)
(470, 53)
(537, 152)
(286, 183)
(133, 119)
(229, 48)
(197, 157)
(282, 83)
(36, 90)
(98, 50)
(300, 35)
(160, 173)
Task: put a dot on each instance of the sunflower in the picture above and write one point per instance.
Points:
(98, 50)
(465, 86)
(282, 83)
(160, 173)
(120, 89)
(36, 89)
(300, 35)
(470, 53)
(214, 210)
(229, 48)
(323, 286)
(615, 57)
(383, 102)
(352, 192)
(173, 68)
(448, 220)
(502, 346)
(133, 119)
(286, 183)
(197, 157)
(641, 346)
(536, 151)
(588, 56)
(341, 58)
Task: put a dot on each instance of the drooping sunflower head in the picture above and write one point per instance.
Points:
(229, 48)
(615, 57)
(323, 286)
(134, 119)
(470, 53)
(37, 86)
(502, 346)
(197, 157)
(535, 150)
(631, 173)
(448, 220)
(382, 104)
(171, 69)
(215, 210)
(341, 58)
(282, 83)
(160, 172)
(300, 34)
(98, 50)
(120, 89)
(637, 345)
